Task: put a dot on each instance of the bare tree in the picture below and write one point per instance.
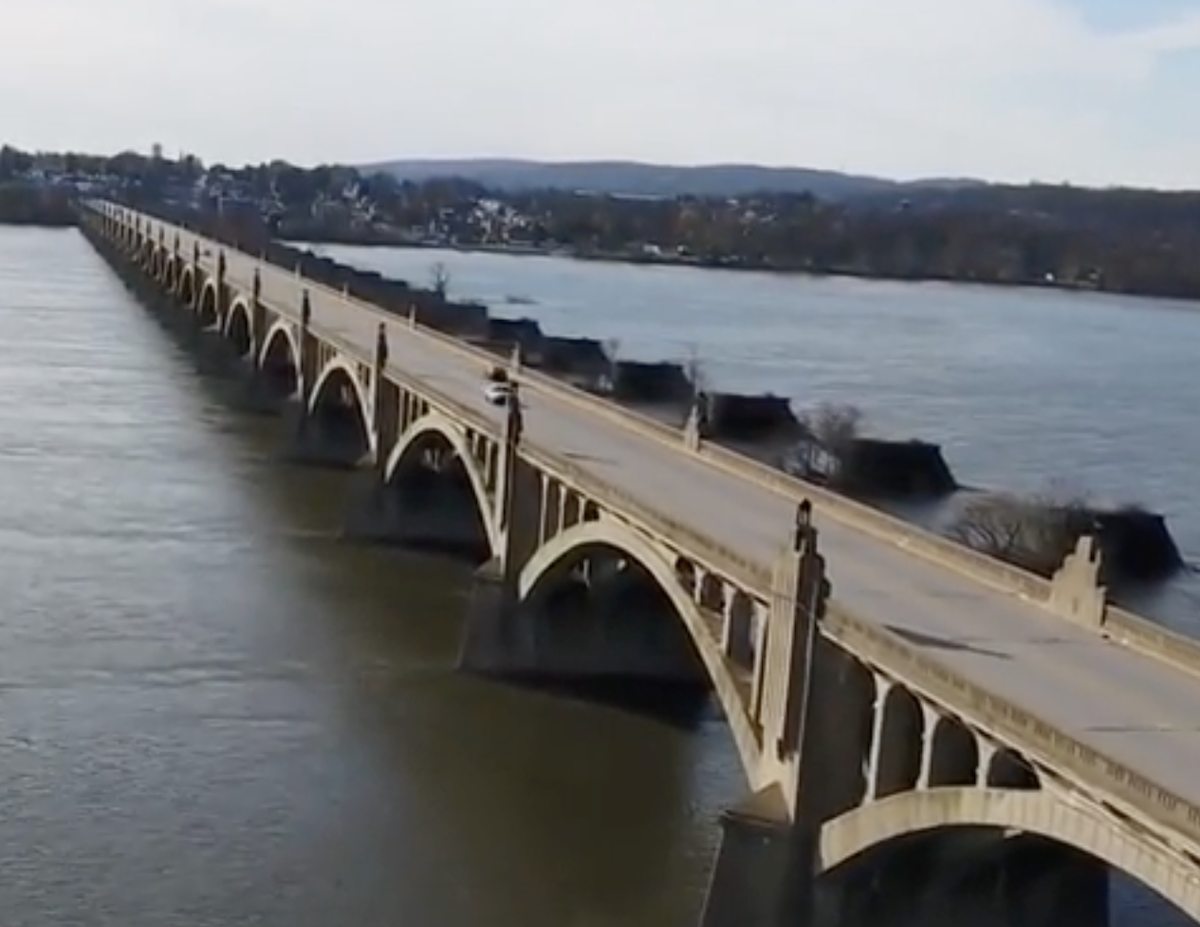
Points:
(612, 350)
(831, 430)
(439, 277)
(1035, 532)
(693, 369)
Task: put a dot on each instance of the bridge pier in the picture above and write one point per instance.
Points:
(762, 873)
(328, 425)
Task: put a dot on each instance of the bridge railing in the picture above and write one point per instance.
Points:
(1125, 627)
(1047, 745)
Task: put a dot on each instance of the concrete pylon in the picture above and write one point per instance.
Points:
(765, 870)
(385, 423)
(308, 358)
(514, 426)
(1076, 592)
(691, 429)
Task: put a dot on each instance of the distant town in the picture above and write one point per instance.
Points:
(1123, 241)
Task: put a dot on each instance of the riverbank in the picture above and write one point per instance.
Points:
(29, 205)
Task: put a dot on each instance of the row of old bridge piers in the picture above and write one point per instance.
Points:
(859, 735)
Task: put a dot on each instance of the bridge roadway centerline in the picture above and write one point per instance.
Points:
(1140, 711)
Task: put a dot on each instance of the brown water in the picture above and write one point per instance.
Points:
(215, 712)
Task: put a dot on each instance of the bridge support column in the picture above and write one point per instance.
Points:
(409, 512)
(306, 375)
(748, 887)
(494, 638)
(385, 404)
(217, 352)
(258, 397)
(815, 747)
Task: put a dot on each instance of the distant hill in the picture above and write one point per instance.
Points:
(631, 178)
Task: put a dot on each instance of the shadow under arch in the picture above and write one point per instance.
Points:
(988, 825)
(237, 328)
(279, 362)
(681, 646)
(187, 286)
(171, 272)
(206, 309)
(437, 493)
(338, 430)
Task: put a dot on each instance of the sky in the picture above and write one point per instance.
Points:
(1094, 92)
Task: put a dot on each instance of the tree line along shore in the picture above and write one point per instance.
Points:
(1128, 241)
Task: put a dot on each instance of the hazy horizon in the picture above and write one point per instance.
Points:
(1091, 92)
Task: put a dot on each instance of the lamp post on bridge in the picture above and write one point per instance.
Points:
(812, 592)
(515, 426)
(383, 413)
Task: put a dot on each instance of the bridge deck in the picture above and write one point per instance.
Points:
(1139, 711)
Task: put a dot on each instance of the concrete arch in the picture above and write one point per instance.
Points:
(278, 363)
(238, 329)
(187, 286)
(206, 306)
(336, 373)
(336, 380)
(416, 437)
(280, 344)
(661, 566)
(1042, 813)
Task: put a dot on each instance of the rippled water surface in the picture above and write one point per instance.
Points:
(214, 712)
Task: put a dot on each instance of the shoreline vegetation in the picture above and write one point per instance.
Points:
(1123, 241)
(28, 206)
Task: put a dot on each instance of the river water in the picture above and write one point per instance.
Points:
(216, 713)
